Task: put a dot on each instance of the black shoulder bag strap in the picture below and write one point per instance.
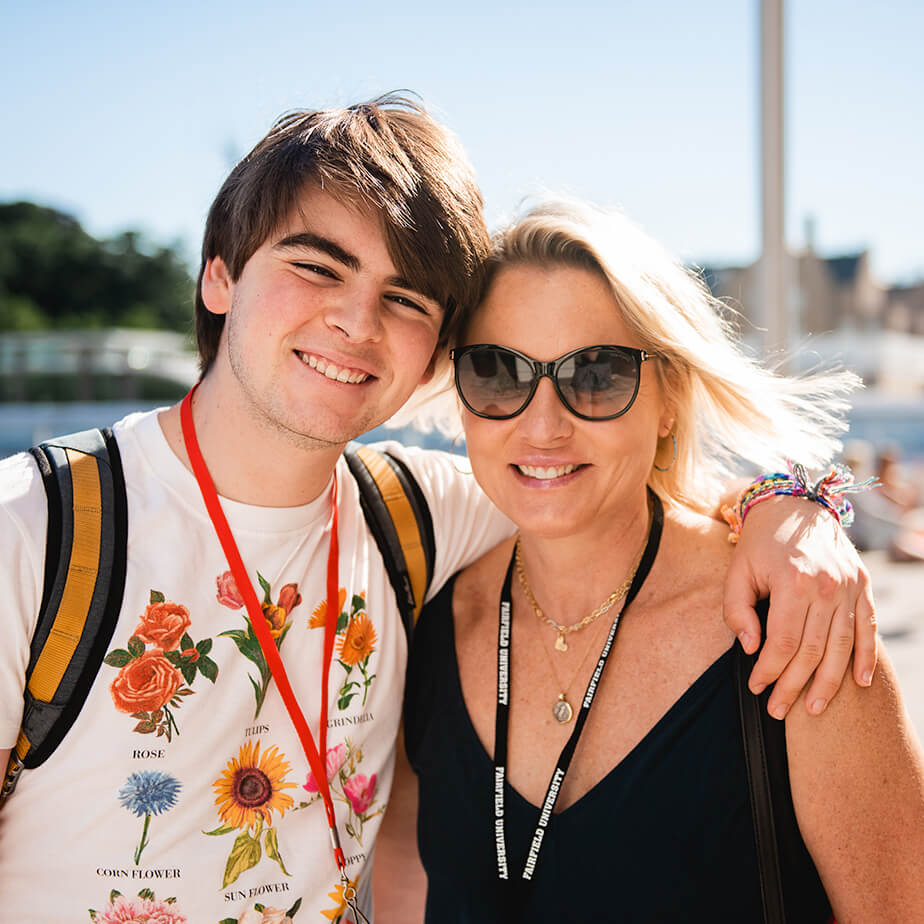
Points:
(84, 581)
(750, 708)
(399, 519)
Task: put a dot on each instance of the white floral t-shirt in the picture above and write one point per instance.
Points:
(182, 791)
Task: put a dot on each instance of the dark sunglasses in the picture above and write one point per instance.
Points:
(594, 383)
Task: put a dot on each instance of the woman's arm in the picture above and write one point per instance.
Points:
(857, 777)
(821, 603)
(399, 883)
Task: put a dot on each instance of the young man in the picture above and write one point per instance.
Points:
(337, 258)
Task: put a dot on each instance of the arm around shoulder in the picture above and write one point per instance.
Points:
(857, 779)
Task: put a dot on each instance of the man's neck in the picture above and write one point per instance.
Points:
(249, 462)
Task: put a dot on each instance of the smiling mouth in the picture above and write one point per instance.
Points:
(332, 371)
(545, 473)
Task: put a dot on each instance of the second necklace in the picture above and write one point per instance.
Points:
(562, 710)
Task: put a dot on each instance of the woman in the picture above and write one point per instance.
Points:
(607, 460)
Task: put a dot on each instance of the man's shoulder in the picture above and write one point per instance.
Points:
(19, 478)
(428, 465)
(21, 488)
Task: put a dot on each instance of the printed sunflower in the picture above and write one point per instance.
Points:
(247, 793)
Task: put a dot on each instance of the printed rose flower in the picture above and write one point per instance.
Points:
(163, 625)
(360, 791)
(289, 598)
(335, 758)
(145, 683)
(138, 911)
(228, 595)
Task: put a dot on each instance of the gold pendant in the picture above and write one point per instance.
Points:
(560, 643)
(562, 710)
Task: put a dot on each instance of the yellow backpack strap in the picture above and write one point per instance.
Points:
(399, 519)
(83, 586)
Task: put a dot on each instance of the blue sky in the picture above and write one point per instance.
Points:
(130, 116)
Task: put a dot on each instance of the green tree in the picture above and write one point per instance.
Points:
(53, 274)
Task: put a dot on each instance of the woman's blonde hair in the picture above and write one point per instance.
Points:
(727, 407)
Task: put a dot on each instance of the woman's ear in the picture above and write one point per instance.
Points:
(217, 286)
(666, 423)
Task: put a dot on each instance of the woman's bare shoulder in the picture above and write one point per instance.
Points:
(478, 586)
(692, 563)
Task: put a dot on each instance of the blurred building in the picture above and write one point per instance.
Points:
(111, 364)
(838, 311)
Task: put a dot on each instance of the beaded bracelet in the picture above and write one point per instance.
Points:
(829, 491)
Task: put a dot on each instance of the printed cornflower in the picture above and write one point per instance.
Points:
(147, 793)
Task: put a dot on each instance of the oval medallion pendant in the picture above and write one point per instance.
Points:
(562, 710)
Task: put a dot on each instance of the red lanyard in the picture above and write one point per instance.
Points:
(261, 630)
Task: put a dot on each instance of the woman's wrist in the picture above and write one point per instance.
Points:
(830, 492)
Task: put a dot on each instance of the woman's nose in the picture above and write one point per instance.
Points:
(545, 418)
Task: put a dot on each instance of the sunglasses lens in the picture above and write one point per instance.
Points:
(493, 382)
(599, 383)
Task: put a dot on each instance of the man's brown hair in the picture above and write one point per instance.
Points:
(388, 155)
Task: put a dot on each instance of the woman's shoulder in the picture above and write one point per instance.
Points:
(477, 587)
(693, 559)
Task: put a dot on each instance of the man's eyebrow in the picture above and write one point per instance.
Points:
(324, 244)
(334, 250)
(399, 282)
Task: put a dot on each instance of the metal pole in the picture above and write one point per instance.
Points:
(772, 274)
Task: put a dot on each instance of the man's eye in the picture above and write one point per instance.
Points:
(409, 303)
(315, 268)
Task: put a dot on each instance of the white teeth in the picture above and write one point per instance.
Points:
(332, 371)
(554, 471)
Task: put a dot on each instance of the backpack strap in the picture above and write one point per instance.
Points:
(399, 519)
(750, 711)
(83, 585)
(788, 877)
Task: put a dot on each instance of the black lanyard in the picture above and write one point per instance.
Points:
(504, 655)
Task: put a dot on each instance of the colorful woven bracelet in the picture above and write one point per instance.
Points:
(829, 491)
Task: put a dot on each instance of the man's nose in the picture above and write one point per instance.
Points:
(356, 313)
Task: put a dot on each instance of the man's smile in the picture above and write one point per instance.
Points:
(331, 370)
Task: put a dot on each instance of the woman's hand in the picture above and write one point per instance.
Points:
(821, 603)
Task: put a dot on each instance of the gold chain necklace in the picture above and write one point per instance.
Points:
(562, 710)
(608, 603)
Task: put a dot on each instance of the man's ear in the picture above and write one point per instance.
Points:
(217, 286)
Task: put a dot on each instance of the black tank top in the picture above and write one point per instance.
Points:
(666, 836)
